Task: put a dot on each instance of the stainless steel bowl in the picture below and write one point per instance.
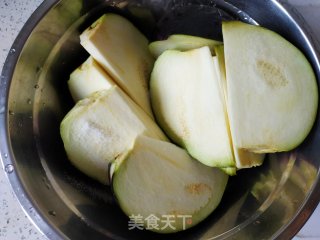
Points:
(272, 201)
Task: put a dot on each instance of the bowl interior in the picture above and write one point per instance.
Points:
(264, 202)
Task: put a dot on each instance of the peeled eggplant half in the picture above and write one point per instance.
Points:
(272, 94)
(160, 180)
(243, 158)
(88, 78)
(188, 103)
(103, 128)
(122, 50)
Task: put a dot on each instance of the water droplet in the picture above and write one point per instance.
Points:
(11, 112)
(9, 168)
(52, 213)
(5, 155)
(12, 51)
(257, 222)
(29, 101)
(36, 86)
(2, 110)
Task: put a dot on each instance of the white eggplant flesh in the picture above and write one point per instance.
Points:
(103, 128)
(122, 50)
(188, 103)
(88, 78)
(272, 90)
(158, 179)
